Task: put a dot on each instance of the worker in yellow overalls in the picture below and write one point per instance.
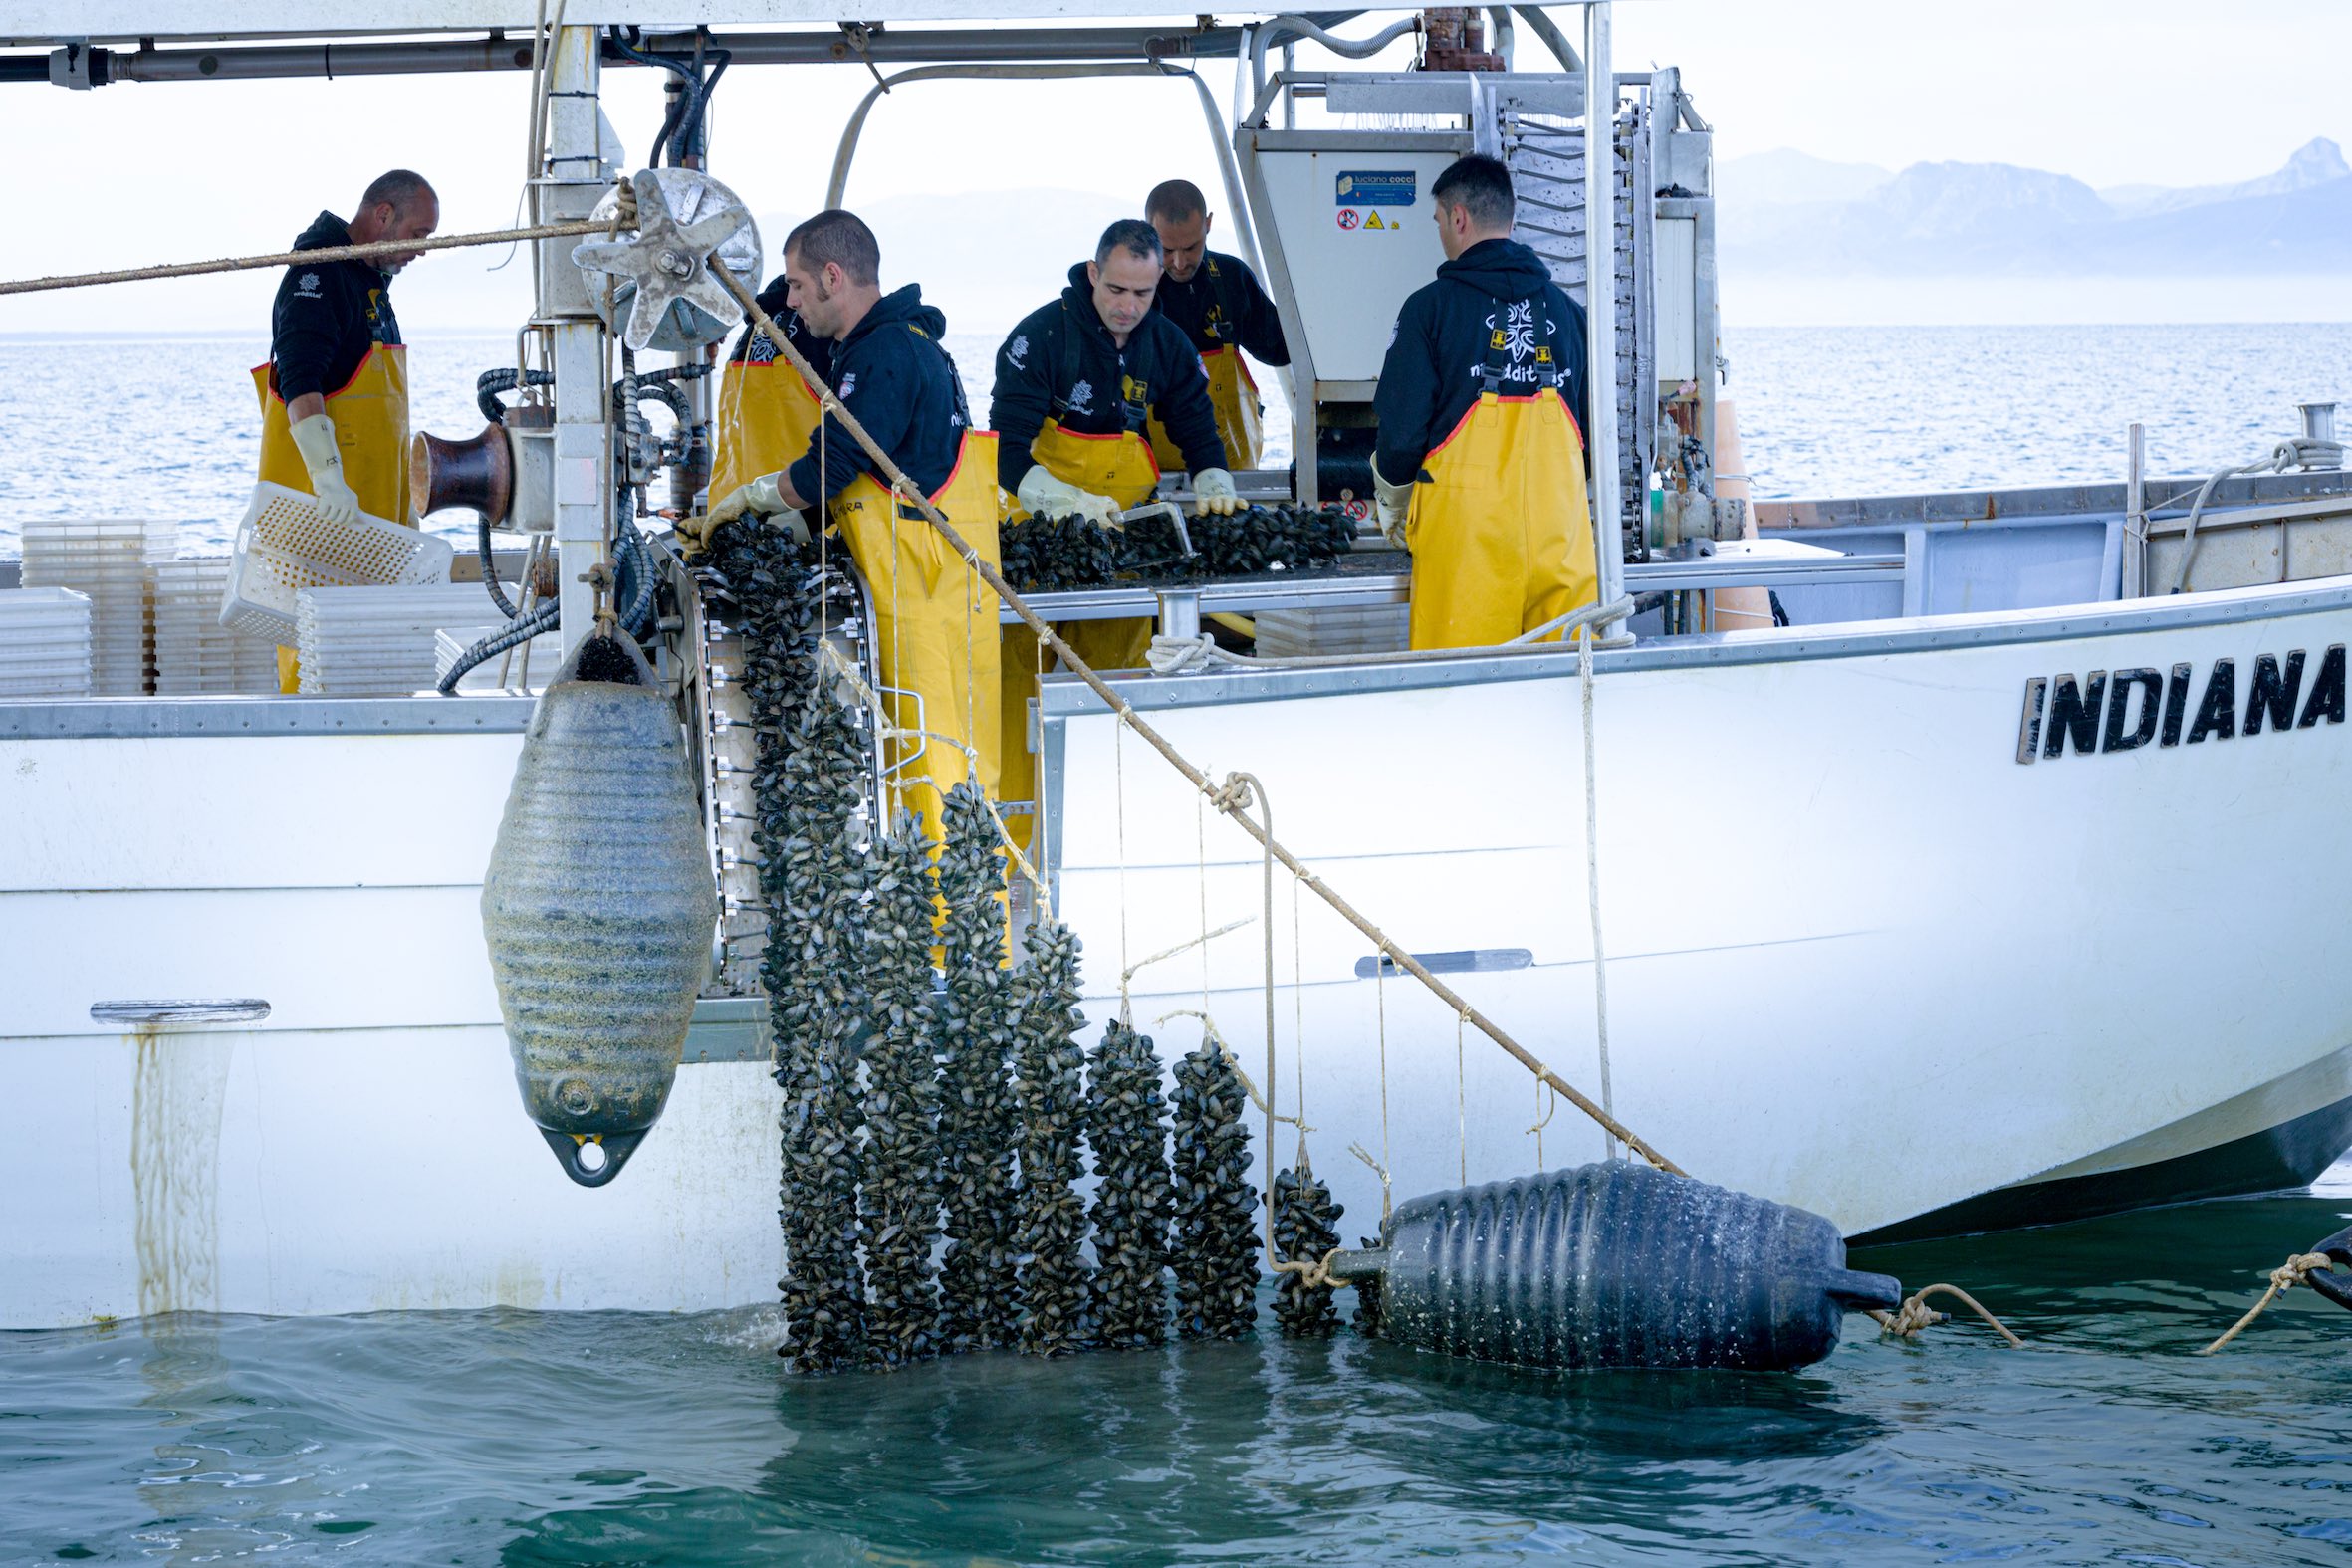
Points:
(1078, 383)
(1480, 466)
(935, 620)
(335, 393)
(764, 413)
(1216, 301)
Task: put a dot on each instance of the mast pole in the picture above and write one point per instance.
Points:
(1600, 301)
(567, 188)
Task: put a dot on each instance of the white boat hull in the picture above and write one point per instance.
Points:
(1878, 967)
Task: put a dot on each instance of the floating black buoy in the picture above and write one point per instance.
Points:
(1614, 1265)
(598, 907)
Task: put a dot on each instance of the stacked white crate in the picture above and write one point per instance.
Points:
(451, 642)
(378, 641)
(112, 561)
(1295, 633)
(194, 653)
(44, 643)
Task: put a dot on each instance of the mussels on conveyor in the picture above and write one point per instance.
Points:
(1048, 554)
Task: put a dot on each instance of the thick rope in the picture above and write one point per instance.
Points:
(2297, 1271)
(334, 253)
(1600, 955)
(1915, 1314)
(1048, 638)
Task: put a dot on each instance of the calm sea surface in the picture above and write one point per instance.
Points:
(514, 1437)
(508, 1437)
(168, 428)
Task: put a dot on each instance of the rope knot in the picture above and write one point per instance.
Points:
(1914, 1315)
(1174, 655)
(2298, 1269)
(1232, 795)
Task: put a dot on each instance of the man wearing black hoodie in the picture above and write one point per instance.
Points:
(334, 392)
(935, 621)
(1479, 468)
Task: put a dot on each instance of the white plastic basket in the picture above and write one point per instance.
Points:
(284, 546)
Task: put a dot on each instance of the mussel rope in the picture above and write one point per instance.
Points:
(1125, 714)
(335, 253)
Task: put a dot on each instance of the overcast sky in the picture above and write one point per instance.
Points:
(2158, 91)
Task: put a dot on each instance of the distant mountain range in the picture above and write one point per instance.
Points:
(1787, 212)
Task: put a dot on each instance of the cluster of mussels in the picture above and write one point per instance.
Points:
(1128, 1128)
(1049, 1227)
(907, 1104)
(1043, 555)
(1216, 1251)
(809, 785)
(1305, 1228)
(899, 1204)
(975, 1065)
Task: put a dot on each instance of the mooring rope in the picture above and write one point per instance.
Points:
(1915, 1314)
(2297, 1271)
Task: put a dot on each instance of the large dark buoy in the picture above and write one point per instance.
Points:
(598, 908)
(1614, 1265)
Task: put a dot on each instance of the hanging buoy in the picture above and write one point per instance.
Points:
(1614, 1265)
(598, 908)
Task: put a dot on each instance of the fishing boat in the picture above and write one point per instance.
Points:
(1937, 864)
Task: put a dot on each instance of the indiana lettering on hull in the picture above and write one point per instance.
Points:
(2125, 710)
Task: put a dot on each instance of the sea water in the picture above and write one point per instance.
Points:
(516, 1438)
(97, 427)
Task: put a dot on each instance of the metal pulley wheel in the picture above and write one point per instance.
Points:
(663, 295)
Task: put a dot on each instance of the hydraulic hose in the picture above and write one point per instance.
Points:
(689, 111)
(490, 570)
(491, 383)
(545, 618)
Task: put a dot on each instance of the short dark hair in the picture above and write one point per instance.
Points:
(399, 187)
(1132, 235)
(1177, 200)
(840, 238)
(1480, 184)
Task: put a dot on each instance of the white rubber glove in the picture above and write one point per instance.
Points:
(1213, 489)
(1392, 505)
(313, 438)
(1044, 496)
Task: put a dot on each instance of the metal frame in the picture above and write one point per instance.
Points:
(1060, 696)
(217, 718)
(837, 186)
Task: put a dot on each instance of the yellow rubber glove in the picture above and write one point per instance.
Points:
(313, 438)
(1044, 496)
(1212, 489)
(1392, 505)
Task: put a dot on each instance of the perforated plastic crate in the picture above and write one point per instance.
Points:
(284, 546)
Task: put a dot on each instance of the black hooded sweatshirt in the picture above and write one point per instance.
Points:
(326, 318)
(893, 376)
(1463, 323)
(753, 347)
(1221, 305)
(1062, 362)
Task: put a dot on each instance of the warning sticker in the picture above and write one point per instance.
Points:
(1378, 188)
(1349, 217)
(1373, 222)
